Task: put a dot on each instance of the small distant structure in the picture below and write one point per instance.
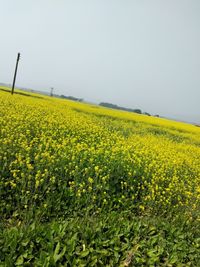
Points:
(51, 94)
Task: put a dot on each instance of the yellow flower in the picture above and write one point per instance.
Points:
(90, 180)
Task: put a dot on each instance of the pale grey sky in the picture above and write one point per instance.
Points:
(135, 53)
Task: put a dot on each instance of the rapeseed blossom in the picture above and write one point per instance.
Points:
(59, 151)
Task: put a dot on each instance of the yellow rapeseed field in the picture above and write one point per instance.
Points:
(56, 154)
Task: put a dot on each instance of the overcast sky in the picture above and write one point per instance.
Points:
(134, 53)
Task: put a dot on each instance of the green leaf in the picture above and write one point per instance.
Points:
(94, 261)
(57, 256)
(84, 253)
(174, 259)
(20, 260)
(25, 243)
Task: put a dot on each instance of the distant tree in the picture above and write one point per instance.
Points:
(72, 98)
(137, 111)
(110, 105)
(146, 113)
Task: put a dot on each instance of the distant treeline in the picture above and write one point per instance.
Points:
(109, 105)
(72, 98)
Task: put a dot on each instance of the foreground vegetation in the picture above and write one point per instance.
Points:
(82, 185)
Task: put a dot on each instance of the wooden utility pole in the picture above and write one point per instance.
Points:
(51, 94)
(13, 86)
